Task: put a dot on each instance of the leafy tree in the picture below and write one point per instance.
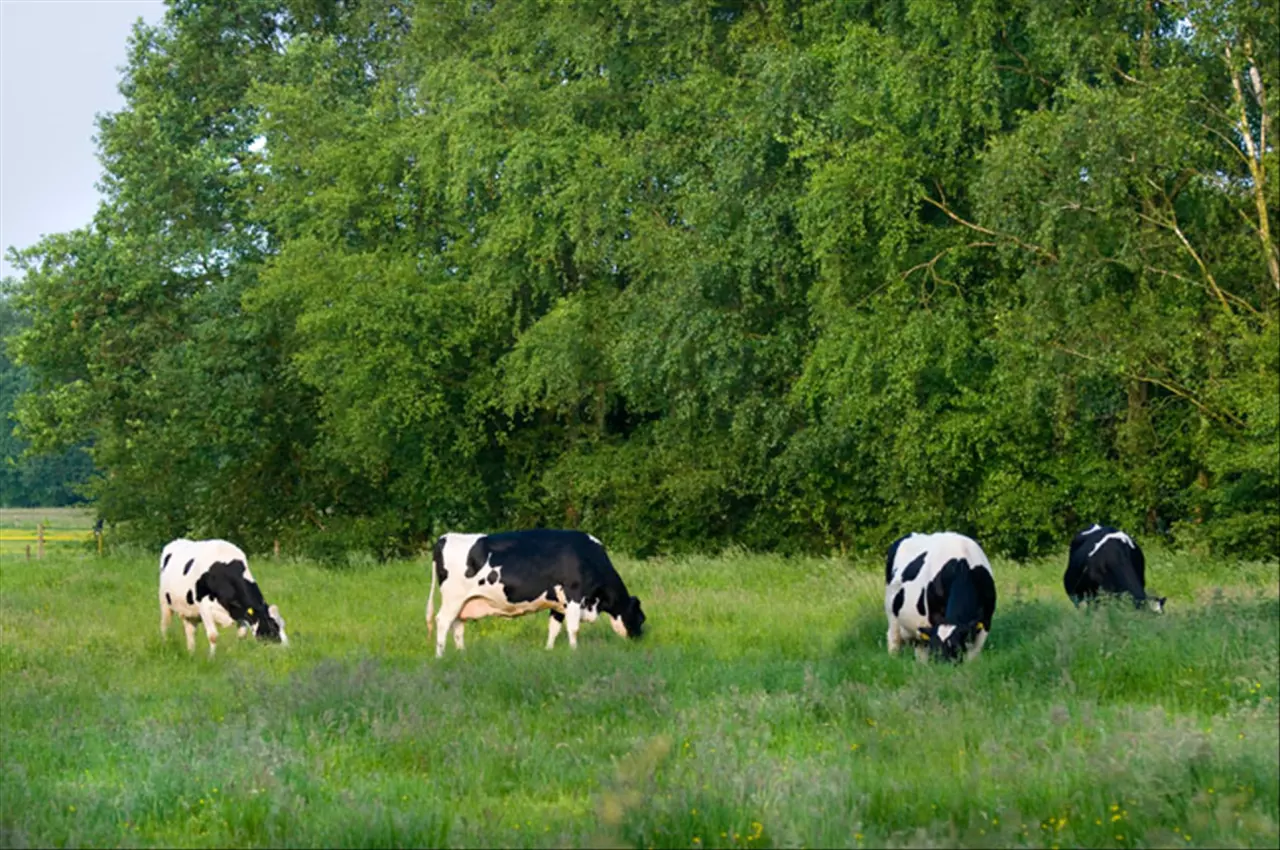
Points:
(792, 275)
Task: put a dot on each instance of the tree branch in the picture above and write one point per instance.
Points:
(1257, 166)
(1181, 392)
(980, 229)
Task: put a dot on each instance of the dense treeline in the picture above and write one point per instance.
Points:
(791, 275)
(26, 480)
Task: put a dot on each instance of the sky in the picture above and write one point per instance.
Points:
(59, 67)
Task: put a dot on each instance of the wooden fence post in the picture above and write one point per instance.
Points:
(28, 551)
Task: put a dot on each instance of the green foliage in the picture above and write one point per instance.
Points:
(29, 480)
(798, 276)
(747, 716)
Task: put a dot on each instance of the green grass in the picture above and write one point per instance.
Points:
(760, 710)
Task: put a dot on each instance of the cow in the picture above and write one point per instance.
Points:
(940, 593)
(521, 572)
(1106, 559)
(209, 581)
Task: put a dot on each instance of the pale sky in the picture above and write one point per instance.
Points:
(59, 66)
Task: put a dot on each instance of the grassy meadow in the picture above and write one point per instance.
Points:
(759, 710)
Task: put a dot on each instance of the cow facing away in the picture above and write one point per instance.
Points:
(522, 572)
(939, 593)
(208, 581)
(1104, 559)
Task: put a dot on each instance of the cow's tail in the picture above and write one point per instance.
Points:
(431, 603)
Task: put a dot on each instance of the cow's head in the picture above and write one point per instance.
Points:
(270, 627)
(1157, 603)
(632, 617)
(951, 640)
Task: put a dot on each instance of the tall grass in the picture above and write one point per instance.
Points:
(761, 709)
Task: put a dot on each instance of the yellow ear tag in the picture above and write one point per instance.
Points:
(980, 626)
(251, 611)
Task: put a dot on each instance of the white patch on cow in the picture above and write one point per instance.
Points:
(553, 632)
(945, 631)
(938, 549)
(595, 540)
(619, 627)
(1115, 535)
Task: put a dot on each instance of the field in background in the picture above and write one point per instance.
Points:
(64, 529)
(760, 710)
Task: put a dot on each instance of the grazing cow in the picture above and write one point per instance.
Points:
(520, 572)
(939, 592)
(1106, 559)
(209, 581)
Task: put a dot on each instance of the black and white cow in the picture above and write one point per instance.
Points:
(209, 581)
(521, 572)
(939, 593)
(1107, 560)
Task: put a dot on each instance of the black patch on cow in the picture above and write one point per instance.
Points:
(898, 600)
(165, 562)
(437, 558)
(920, 604)
(913, 569)
(1115, 568)
(167, 600)
(187, 568)
(225, 583)
(893, 553)
(533, 563)
(190, 599)
(939, 589)
(971, 604)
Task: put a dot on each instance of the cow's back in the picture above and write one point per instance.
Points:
(183, 562)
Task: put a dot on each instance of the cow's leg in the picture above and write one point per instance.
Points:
(619, 627)
(573, 617)
(449, 611)
(894, 638)
(922, 652)
(210, 626)
(977, 645)
(458, 626)
(240, 633)
(189, 626)
(553, 628)
(166, 614)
